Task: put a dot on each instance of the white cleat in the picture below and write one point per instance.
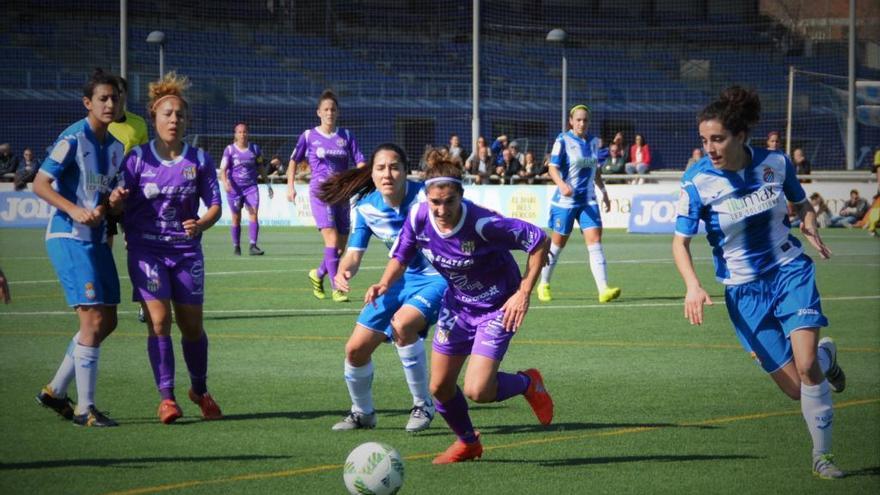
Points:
(420, 418)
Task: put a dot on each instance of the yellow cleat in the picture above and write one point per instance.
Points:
(544, 294)
(339, 296)
(609, 294)
(317, 285)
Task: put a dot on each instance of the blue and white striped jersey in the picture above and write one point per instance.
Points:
(85, 171)
(577, 160)
(745, 214)
(373, 216)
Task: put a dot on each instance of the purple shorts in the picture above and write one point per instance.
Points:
(336, 216)
(461, 334)
(243, 196)
(179, 277)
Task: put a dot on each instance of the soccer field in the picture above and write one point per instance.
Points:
(645, 403)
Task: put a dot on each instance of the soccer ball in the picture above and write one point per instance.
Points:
(373, 468)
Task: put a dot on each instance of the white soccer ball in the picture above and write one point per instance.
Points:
(373, 468)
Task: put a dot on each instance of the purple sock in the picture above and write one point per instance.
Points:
(322, 268)
(253, 232)
(161, 352)
(195, 353)
(331, 262)
(236, 234)
(455, 412)
(510, 385)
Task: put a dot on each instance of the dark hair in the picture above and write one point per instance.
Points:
(328, 94)
(99, 78)
(737, 108)
(357, 181)
(240, 122)
(439, 165)
(122, 83)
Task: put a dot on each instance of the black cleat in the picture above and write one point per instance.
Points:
(62, 406)
(94, 418)
(237, 251)
(255, 251)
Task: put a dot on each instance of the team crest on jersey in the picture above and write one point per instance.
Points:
(340, 142)
(768, 174)
(441, 335)
(189, 172)
(151, 190)
(90, 291)
(467, 247)
(153, 285)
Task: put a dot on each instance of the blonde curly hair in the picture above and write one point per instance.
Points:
(171, 84)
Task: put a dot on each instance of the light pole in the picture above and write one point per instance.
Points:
(158, 38)
(559, 36)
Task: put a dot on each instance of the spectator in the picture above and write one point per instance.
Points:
(513, 168)
(481, 143)
(481, 168)
(516, 152)
(621, 145)
(497, 146)
(696, 155)
(801, 164)
(823, 214)
(773, 141)
(27, 169)
(852, 211)
(531, 167)
(8, 163)
(614, 164)
(455, 149)
(275, 168)
(640, 158)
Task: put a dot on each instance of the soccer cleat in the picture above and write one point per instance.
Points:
(236, 250)
(609, 294)
(141, 317)
(317, 285)
(356, 421)
(169, 411)
(544, 294)
(339, 296)
(835, 375)
(420, 418)
(210, 409)
(93, 418)
(61, 405)
(460, 452)
(255, 251)
(538, 397)
(824, 468)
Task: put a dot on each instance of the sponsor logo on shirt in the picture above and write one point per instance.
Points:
(148, 173)
(751, 204)
(807, 312)
(151, 190)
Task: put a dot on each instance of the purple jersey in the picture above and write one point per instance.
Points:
(327, 154)
(241, 165)
(474, 257)
(162, 194)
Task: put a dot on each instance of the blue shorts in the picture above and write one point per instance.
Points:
(766, 310)
(86, 271)
(422, 292)
(587, 216)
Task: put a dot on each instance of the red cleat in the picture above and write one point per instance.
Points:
(210, 409)
(169, 411)
(460, 452)
(538, 397)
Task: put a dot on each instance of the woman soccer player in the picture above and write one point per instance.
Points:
(740, 193)
(83, 164)
(241, 163)
(329, 150)
(485, 304)
(408, 308)
(164, 180)
(574, 168)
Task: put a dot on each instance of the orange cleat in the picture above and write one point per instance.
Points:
(538, 397)
(169, 411)
(210, 409)
(460, 452)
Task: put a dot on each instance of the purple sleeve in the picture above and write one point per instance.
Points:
(209, 189)
(794, 192)
(299, 152)
(355, 150)
(511, 233)
(405, 248)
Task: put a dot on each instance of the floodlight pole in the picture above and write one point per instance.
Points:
(158, 38)
(475, 77)
(789, 110)
(851, 93)
(560, 36)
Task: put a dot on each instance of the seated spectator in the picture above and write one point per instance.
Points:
(531, 167)
(801, 164)
(823, 214)
(516, 152)
(27, 169)
(621, 145)
(696, 155)
(773, 143)
(615, 163)
(8, 163)
(640, 158)
(481, 168)
(481, 143)
(455, 149)
(852, 211)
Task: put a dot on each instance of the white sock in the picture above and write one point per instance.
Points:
(415, 368)
(65, 372)
(819, 414)
(597, 265)
(360, 387)
(547, 271)
(86, 360)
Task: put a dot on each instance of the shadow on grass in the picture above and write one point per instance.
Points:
(132, 462)
(869, 471)
(563, 428)
(586, 461)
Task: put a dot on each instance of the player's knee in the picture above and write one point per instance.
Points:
(442, 391)
(479, 394)
(356, 355)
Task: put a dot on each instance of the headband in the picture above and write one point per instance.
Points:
(435, 180)
(579, 107)
(156, 103)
